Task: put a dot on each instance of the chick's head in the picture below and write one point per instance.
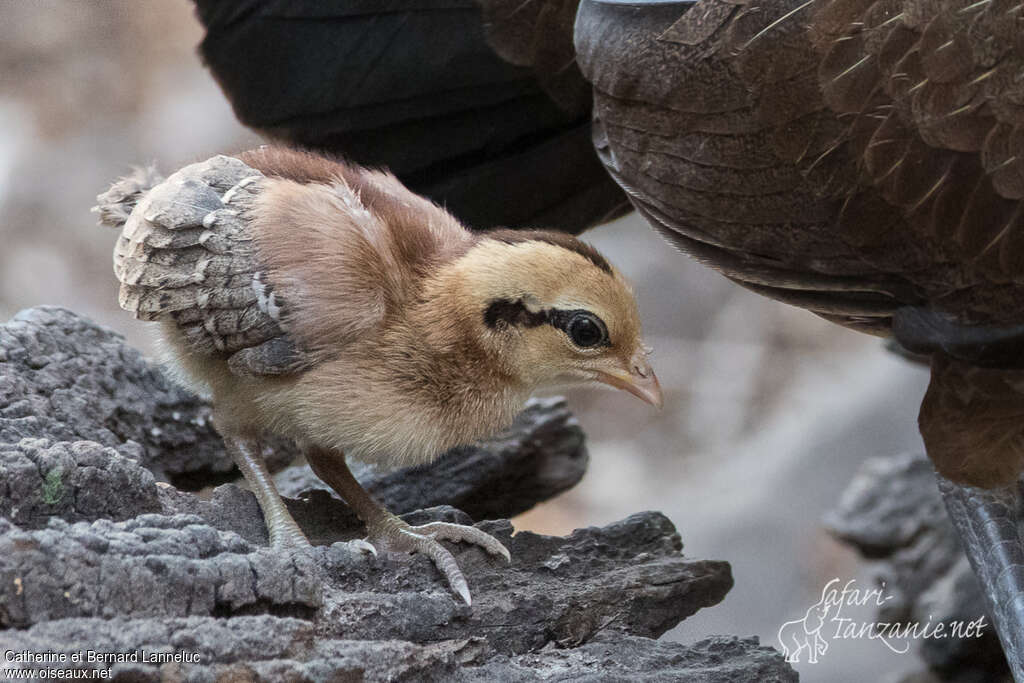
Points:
(556, 313)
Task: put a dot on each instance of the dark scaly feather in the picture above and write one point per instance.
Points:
(186, 255)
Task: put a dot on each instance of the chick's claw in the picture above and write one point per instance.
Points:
(362, 546)
(424, 539)
(446, 531)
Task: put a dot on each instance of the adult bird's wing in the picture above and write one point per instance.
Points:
(849, 156)
(482, 109)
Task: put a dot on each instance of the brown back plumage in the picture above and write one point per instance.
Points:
(347, 245)
(849, 156)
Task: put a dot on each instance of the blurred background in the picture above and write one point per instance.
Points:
(768, 409)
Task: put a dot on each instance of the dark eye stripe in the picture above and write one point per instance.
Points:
(502, 313)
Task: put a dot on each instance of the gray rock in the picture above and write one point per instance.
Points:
(626, 577)
(272, 648)
(892, 512)
(98, 555)
(230, 508)
(64, 378)
(262, 647)
(152, 566)
(720, 659)
(74, 481)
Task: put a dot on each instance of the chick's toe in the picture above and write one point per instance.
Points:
(392, 534)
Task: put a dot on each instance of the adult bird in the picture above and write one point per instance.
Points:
(863, 159)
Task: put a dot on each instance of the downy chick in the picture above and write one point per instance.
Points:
(327, 303)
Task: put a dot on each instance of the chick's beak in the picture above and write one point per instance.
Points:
(640, 381)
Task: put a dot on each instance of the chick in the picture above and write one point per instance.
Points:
(329, 304)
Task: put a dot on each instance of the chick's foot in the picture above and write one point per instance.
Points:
(394, 535)
(387, 532)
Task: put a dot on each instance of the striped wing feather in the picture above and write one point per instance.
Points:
(186, 255)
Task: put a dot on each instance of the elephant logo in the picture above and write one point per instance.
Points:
(804, 634)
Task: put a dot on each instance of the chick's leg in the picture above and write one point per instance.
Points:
(284, 532)
(388, 532)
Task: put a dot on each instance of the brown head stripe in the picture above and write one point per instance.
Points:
(558, 239)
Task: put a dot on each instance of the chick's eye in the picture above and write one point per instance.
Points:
(585, 330)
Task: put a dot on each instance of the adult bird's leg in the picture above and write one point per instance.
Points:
(388, 532)
(284, 532)
(989, 523)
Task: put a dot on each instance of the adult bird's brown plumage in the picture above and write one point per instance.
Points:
(327, 303)
(864, 160)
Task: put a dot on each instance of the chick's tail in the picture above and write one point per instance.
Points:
(116, 204)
